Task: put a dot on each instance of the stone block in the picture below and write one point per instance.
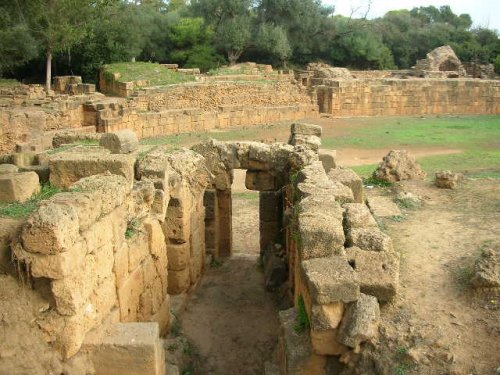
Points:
(320, 235)
(370, 238)
(378, 272)
(177, 229)
(261, 181)
(178, 256)
(163, 316)
(350, 179)
(8, 169)
(68, 167)
(120, 267)
(330, 280)
(325, 342)
(43, 172)
(325, 317)
(9, 229)
(295, 352)
(357, 215)
(53, 229)
(178, 281)
(269, 233)
(18, 187)
(129, 295)
(306, 129)
(23, 159)
(448, 179)
(327, 158)
(360, 323)
(138, 250)
(120, 142)
(156, 238)
(126, 349)
(270, 206)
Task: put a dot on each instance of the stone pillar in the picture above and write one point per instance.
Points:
(225, 206)
(270, 218)
(211, 204)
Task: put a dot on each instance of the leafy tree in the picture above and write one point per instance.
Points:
(274, 40)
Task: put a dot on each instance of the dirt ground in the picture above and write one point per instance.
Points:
(231, 322)
(438, 325)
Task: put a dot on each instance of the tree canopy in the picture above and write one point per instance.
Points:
(79, 36)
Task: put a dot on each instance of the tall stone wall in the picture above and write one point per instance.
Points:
(402, 97)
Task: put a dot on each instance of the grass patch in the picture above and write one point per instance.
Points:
(250, 196)
(156, 74)
(486, 163)
(18, 210)
(302, 319)
(6, 82)
(374, 181)
(133, 227)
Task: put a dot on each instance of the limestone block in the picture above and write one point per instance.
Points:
(330, 280)
(156, 238)
(178, 281)
(177, 229)
(104, 261)
(163, 316)
(178, 256)
(98, 235)
(399, 165)
(325, 317)
(138, 250)
(325, 342)
(378, 272)
(320, 235)
(43, 172)
(8, 169)
(350, 179)
(314, 205)
(210, 203)
(126, 349)
(383, 207)
(360, 323)
(261, 181)
(18, 187)
(71, 293)
(53, 229)
(104, 298)
(68, 167)
(295, 352)
(306, 129)
(120, 142)
(129, 295)
(487, 269)
(23, 159)
(120, 266)
(269, 233)
(357, 215)
(371, 239)
(327, 158)
(155, 166)
(160, 205)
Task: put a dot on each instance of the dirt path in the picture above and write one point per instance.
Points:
(231, 321)
(438, 325)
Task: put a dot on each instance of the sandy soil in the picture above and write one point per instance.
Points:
(231, 321)
(438, 325)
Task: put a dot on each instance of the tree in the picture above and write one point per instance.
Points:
(273, 40)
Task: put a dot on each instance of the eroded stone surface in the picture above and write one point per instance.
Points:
(399, 165)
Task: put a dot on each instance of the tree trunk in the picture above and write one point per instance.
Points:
(48, 74)
(233, 56)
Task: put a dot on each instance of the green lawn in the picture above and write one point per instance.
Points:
(156, 74)
(5, 82)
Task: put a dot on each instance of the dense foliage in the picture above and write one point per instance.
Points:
(79, 36)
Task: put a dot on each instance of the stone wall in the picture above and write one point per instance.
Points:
(402, 97)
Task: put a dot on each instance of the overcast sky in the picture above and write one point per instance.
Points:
(483, 12)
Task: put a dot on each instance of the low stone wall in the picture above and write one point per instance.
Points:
(401, 97)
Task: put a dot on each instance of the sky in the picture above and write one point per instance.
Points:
(484, 13)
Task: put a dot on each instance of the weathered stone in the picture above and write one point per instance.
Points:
(330, 280)
(9, 229)
(306, 129)
(120, 142)
(129, 295)
(360, 323)
(371, 239)
(8, 169)
(320, 235)
(378, 272)
(487, 270)
(138, 250)
(399, 165)
(269, 206)
(322, 70)
(261, 181)
(178, 281)
(443, 60)
(53, 229)
(178, 256)
(327, 158)
(275, 268)
(68, 167)
(126, 349)
(325, 342)
(18, 187)
(350, 179)
(448, 179)
(357, 215)
(383, 206)
(310, 141)
(294, 349)
(326, 317)
(43, 172)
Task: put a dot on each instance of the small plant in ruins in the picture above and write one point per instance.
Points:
(374, 181)
(133, 226)
(302, 318)
(17, 210)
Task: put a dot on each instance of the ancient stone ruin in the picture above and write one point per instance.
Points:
(440, 63)
(132, 229)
